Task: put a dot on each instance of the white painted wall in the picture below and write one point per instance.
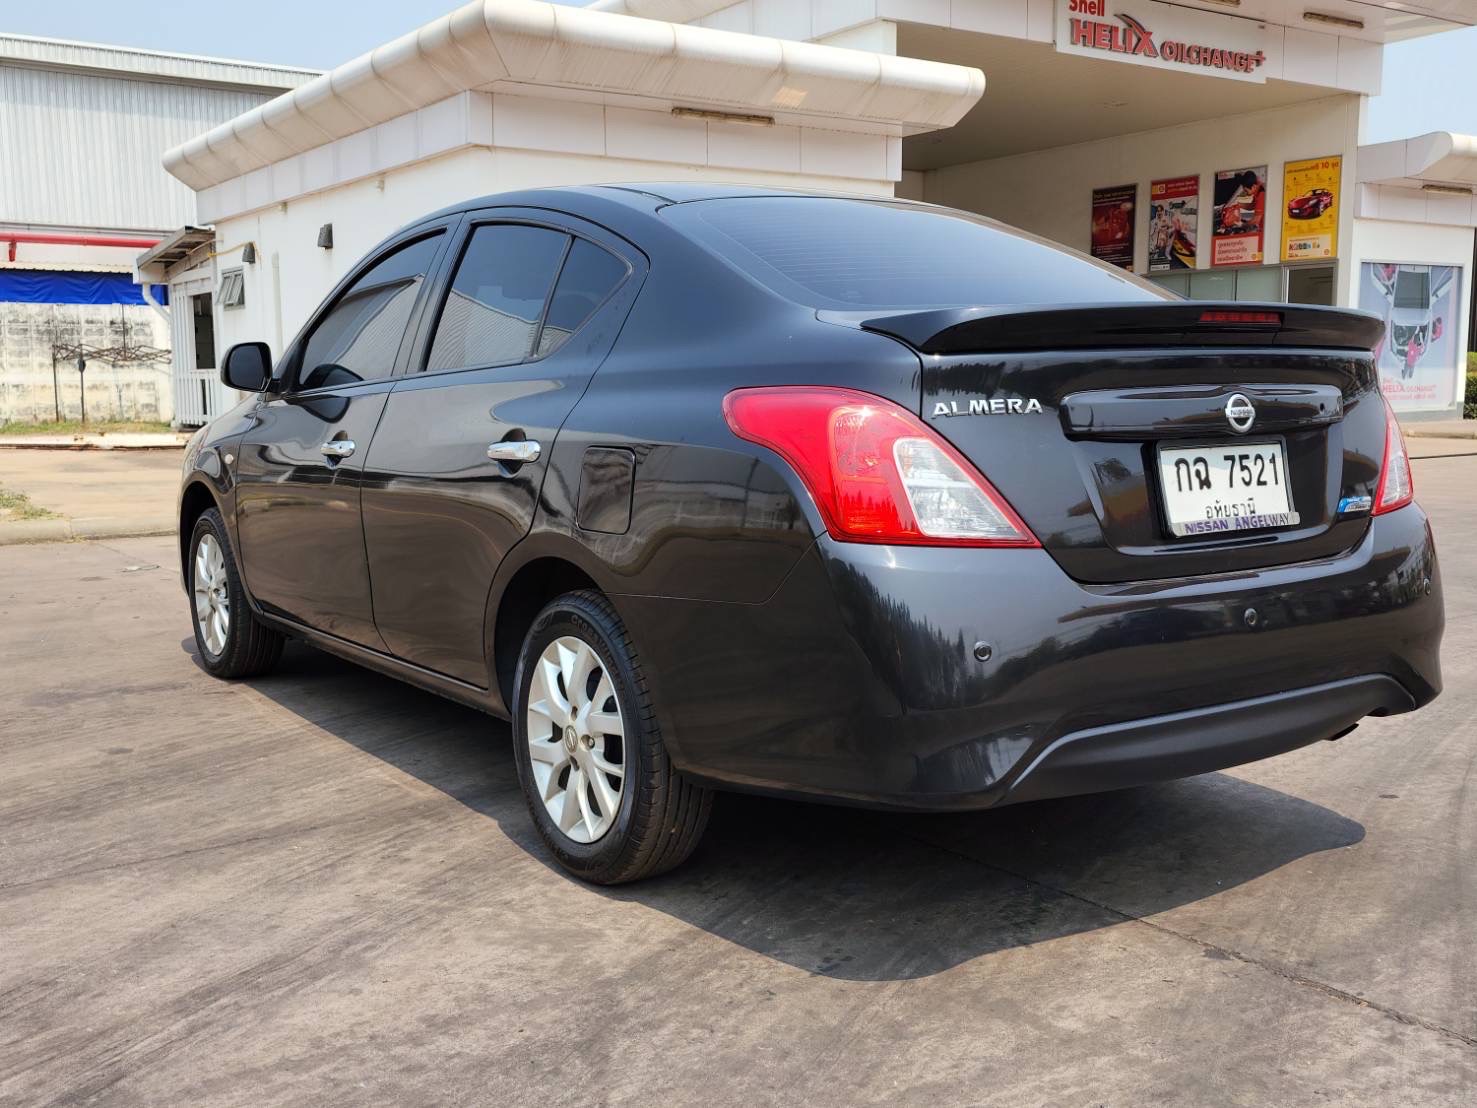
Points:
(1049, 192)
(1337, 60)
(912, 185)
(562, 125)
(1407, 204)
(365, 211)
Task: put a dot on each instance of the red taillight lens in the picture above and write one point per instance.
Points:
(877, 472)
(1396, 488)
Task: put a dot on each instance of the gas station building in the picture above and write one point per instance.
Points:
(1214, 146)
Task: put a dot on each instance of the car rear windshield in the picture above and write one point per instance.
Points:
(1413, 289)
(842, 254)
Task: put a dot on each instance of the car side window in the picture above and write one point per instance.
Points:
(496, 301)
(359, 338)
(590, 274)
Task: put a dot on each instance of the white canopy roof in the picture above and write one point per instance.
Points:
(1439, 158)
(528, 46)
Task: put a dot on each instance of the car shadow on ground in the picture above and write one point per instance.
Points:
(855, 894)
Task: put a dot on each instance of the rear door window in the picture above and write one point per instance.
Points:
(496, 303)
(589, 276)
(843, 254)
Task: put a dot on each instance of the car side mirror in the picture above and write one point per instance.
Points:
(248, 367)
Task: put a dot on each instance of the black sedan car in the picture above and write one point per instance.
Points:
(714, 488)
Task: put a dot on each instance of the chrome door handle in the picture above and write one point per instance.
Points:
(514, 450)
(337, 448)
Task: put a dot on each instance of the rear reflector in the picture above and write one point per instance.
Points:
(1396, 489)
(877, 472)
(1266, 319)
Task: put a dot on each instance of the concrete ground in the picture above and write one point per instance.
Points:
(92, 493)
(1441, 429)
(323, 888)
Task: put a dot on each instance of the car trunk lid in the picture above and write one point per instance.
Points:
(1086, 418)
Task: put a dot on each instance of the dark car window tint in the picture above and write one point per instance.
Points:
(590, 274)
(493, 310)
(829, 252)
(359, 338)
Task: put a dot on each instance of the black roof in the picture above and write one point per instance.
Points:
(612, 204)
(684, 192)
(646, 195)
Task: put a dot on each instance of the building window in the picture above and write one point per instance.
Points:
(233, 289)
(1310, 285)
(1293, 284)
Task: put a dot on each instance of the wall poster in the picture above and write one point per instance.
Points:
(1310, 209)
(1112, 224)
(1419, 363)
(1174, 219)
(1240, 216)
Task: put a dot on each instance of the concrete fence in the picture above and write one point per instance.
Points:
(38, 385)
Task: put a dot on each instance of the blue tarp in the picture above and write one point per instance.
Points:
(47, 286)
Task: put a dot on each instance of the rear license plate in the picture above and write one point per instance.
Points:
(1240, 486)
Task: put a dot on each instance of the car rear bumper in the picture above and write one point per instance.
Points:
(1182, 744)
(859, 680)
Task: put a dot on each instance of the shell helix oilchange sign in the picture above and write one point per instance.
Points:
(1310, 209)
(1166, 36)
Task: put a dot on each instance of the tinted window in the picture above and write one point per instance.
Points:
(496, 302)
(590, 274)
(857, 254)
(359, 338)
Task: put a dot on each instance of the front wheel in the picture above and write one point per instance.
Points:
(600, 787)
(231, 641)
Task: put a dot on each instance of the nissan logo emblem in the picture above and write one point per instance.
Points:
(1240, 414)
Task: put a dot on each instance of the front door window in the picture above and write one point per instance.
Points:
(358, 339)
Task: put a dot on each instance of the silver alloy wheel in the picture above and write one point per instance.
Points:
(576, 739)
(212, 600)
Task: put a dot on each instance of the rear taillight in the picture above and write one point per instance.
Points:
(877, 472)
(1396, 489)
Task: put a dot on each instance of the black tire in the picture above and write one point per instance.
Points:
(251, 648)
(661, 814)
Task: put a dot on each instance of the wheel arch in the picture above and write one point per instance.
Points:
(196, 498)
(517, 600)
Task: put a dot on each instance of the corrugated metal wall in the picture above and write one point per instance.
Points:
(81, 150)
(44, 53)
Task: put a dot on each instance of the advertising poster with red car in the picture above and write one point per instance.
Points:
(1174, 219)
(1112, 224)
(1240, 216)
(1310, 209)
(1419, 364)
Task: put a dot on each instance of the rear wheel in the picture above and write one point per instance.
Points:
(232, 643)
(600, 787)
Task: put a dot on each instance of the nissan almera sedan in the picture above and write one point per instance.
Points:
(712, 488)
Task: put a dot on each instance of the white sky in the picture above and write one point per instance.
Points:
(1431, 84)
(316, 34)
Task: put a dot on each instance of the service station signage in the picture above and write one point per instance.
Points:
(1165, 36)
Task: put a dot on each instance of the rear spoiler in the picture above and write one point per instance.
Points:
(1098, 326)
